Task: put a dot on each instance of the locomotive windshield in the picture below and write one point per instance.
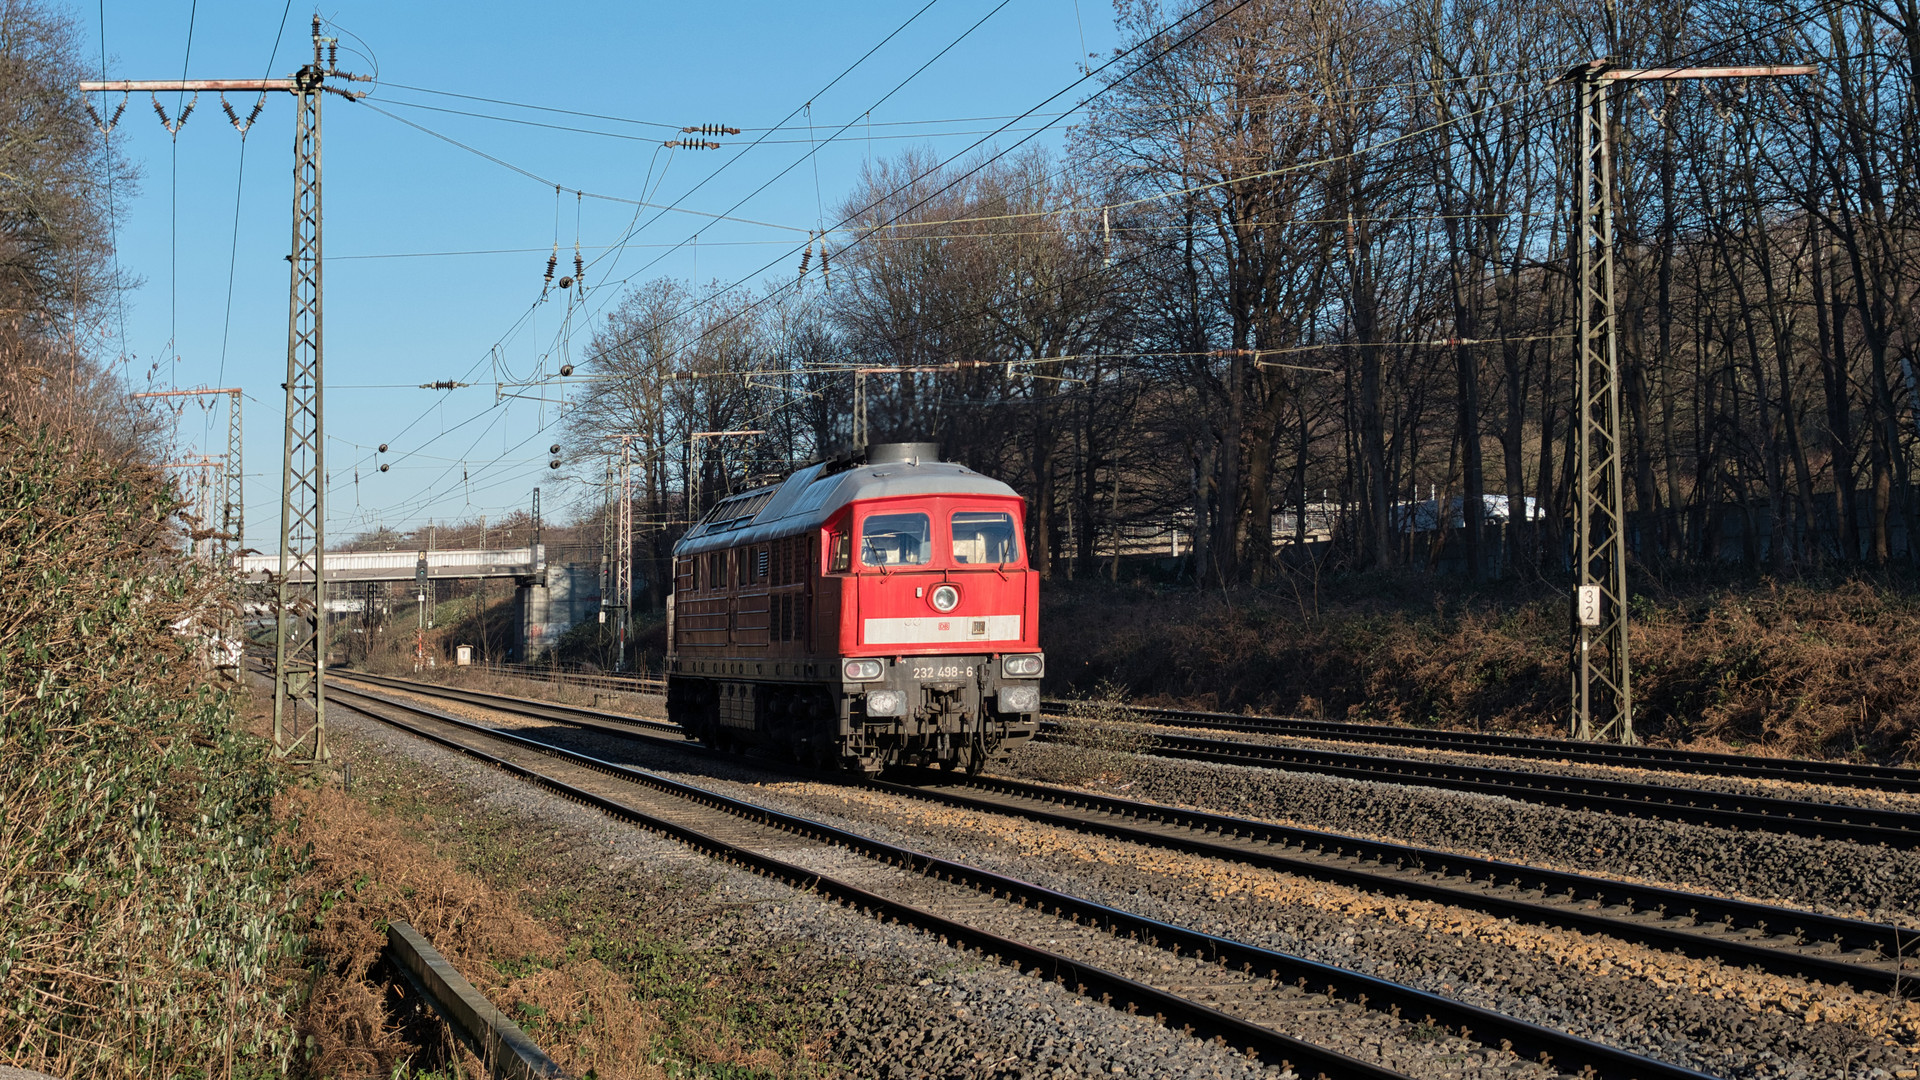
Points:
(896, 540)
(982, 537)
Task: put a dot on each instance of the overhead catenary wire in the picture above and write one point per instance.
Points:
(634, 229)
(1090, 73)
(239, 182)
(1369, 343)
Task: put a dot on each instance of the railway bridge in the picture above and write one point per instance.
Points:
(545, 605)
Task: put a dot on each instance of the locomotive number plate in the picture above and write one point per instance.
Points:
(941, 671)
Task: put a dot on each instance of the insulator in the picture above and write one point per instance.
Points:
(579, 268)
(825, 278)
(92, 113)
(384, 466)
(806, 256)
(186, 112)
(383, 448)
(333, 52)
(554, 464)
(160, 111)
(711, 129)
(232, 117)
(552, 261)
(554, 449)
(565, 370)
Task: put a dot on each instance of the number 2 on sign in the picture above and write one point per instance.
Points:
(1589, 605)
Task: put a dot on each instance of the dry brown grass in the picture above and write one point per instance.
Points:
(1803, 667)
(366, 873)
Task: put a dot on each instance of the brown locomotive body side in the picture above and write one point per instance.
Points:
(860, 616)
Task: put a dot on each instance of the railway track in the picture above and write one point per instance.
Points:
(1665, 759)
(1824, 821)
(1662, 759)
(1255, 990)
(1782, 940)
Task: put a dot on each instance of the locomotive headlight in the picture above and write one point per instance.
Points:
(861, 670)
(1022, 699)
(886, 703)
(1023, 667)
(944, 599)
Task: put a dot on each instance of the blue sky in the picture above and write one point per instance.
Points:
(391, 191)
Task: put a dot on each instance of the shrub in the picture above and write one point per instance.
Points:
(1813, 666)
(144, 904)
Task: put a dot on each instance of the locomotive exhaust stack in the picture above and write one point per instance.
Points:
(861, 613)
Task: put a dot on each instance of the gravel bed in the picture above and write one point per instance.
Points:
(1406, 1045)
(1906, 802)
(1725, 1021)
(1833, 877)
(941, 1014)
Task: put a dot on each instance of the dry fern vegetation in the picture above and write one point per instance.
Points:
(1827, 667)
(616, 974)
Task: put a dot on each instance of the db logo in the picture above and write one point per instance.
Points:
(946, 626)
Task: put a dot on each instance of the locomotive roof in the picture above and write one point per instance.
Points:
(810, 496)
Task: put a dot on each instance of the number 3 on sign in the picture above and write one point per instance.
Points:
(1589, 605)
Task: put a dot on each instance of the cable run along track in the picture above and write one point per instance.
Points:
(1782, 940)
(1267, 981)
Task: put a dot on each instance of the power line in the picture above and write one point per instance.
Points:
(173, 241)
(239, 180)
(637, 138)
(634, 230)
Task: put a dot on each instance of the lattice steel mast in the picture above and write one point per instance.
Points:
(623, 558)
(233, 520)
(300, 652)
(1602, 676)
(232, 534)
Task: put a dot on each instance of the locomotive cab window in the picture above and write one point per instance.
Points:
(896, 540)
(984, 537)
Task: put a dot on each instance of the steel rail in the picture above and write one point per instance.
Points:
(1666, 759)
(1526, 1039)
(1485, 885)
(560, 712)
(1114, 989)
(1660, 758)
(631, 683)
(1822, 821)
(1635, 912)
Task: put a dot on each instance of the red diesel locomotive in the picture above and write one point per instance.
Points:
(865, 612)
